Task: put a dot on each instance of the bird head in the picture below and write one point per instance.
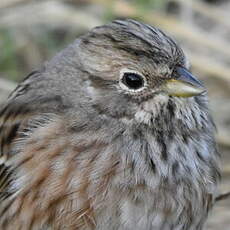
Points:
(130, 71)
(134, 68)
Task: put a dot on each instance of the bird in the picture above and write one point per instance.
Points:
(113, 133)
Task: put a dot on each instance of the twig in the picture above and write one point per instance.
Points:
(213, 13)
(209, 67)
(11, 3)
(53, 13)
(222, 197)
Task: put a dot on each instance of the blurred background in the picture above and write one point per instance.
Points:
(32, 31)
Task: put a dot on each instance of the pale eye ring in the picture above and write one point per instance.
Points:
(132, 80)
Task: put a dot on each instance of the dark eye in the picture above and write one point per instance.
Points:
(132, 80)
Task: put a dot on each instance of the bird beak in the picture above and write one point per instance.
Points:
(184, 84)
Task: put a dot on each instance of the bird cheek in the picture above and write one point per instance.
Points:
(151, 109)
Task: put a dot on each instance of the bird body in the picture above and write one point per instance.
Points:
(96, 139)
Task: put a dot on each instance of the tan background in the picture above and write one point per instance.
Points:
(33, 31)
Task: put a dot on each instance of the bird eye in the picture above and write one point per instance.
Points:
(132, 80)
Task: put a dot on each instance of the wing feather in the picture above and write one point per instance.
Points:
(14, 116)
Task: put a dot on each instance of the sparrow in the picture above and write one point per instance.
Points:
(113, 133)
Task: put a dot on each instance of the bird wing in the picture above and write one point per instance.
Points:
(12, 118)
(19, 119)
(44, 176)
